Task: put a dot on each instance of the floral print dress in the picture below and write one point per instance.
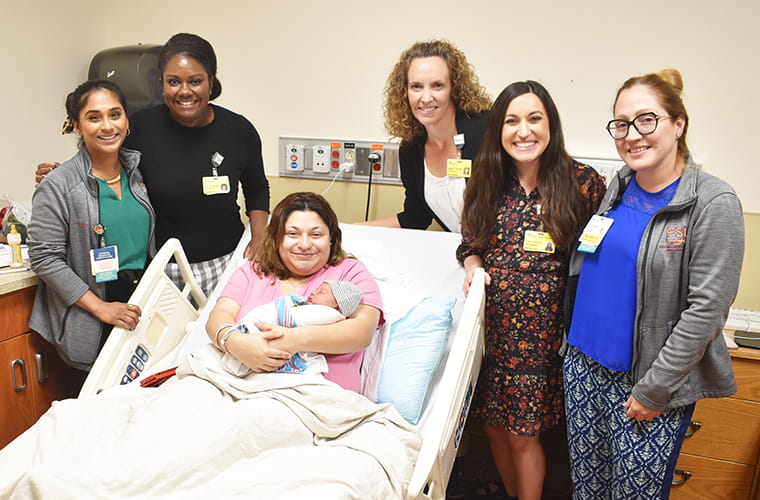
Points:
(520, 383)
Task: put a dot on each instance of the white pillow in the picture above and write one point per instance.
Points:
(416, 345)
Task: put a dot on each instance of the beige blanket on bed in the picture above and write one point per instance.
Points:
(209, 434)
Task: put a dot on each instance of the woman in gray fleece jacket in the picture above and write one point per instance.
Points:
(653, 294)
(97, 204)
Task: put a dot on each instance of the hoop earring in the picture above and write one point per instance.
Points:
(128, 131)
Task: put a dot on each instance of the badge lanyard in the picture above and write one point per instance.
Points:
(538, 241)
(459, 167)
(594, 233)
(216, 184)
(104, 260)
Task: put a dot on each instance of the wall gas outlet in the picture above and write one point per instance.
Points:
(336, 156)
(320, 159)
(376, 166)
(294, 157)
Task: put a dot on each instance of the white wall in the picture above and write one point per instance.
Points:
(297, 67)
(43, 59)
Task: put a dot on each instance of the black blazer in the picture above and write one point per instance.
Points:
(417, 214)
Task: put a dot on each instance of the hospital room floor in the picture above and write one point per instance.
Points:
(475, 475)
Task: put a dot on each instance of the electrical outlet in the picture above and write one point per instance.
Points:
(320, 159)
(349, 154)
(294, 157)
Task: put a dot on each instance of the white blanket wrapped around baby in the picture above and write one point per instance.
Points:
(210, 434)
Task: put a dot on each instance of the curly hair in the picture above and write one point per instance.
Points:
(268, 261)
(667, 85)
(467, 93)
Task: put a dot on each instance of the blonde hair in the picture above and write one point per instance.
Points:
(468, 94)
(667, 85)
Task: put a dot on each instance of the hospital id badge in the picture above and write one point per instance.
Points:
(458, 168)
(216, 185)
(538, 241)
(105, 263)
(594, 233)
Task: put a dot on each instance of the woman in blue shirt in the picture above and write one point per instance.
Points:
(653, 295)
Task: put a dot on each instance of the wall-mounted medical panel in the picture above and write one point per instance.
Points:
(348, 159)
(606, 167)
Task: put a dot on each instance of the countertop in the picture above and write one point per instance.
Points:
(10, 282)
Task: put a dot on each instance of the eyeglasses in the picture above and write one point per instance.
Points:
(645, 123)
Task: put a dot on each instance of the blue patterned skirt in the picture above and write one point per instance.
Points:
(613, 456)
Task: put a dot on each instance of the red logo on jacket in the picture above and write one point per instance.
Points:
(675, 239)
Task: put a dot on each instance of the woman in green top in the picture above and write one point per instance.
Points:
(85, 220)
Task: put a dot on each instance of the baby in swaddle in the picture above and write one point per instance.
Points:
(330, 302)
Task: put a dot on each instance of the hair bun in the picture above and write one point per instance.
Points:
(672, 77)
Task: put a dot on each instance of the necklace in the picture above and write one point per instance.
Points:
(293, 285)
(114, 180)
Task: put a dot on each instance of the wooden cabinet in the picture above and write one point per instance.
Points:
(31, 374)
(720, 458)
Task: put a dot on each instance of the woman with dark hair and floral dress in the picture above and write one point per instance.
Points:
(524, 206)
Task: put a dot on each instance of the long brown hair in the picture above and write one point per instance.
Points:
(494, 173)
(268, 261)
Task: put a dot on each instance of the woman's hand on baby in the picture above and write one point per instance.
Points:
(280, 337)
(254, 350)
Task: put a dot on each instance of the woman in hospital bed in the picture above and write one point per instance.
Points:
(330, 302)
(301, 249)
(208, 433)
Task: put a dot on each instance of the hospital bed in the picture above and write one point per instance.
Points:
(408, 266)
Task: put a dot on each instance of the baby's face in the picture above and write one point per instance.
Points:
(323, 296)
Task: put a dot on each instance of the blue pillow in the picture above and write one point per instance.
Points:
(416, 345)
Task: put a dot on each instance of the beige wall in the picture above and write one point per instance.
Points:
(749, 286)
(299, 68)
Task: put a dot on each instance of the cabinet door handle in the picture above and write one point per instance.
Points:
(693, 428)
(14, 363)
(685, 474)
(42, 373)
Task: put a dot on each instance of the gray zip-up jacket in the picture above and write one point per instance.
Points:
(65, 209)
(689, 262)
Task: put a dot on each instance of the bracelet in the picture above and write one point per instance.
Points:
(218, 331)
(227, 336)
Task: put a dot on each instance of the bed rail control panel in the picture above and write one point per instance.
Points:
(136, 365)
(126, 355)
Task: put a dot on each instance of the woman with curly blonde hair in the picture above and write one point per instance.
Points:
(435, 104)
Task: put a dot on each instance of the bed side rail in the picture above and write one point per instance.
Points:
(167, 312)
(456, 389)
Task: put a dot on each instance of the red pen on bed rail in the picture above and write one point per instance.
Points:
(158, 378)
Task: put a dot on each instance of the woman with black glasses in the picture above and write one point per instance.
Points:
(659, 268)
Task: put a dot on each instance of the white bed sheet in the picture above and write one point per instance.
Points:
(408, 265)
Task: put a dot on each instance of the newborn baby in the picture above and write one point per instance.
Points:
(330, 302)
